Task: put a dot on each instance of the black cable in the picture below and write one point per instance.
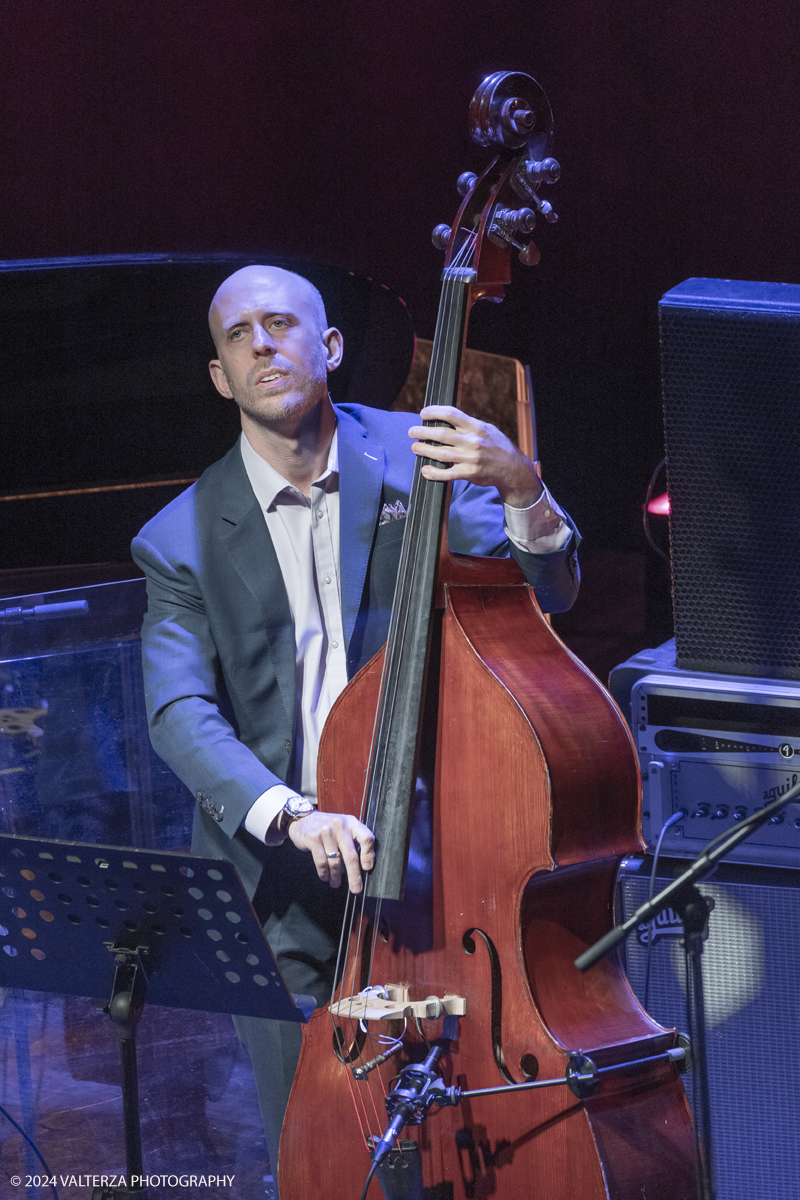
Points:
(791, 797)
(646, 512)
(32, 1145)
(675, 817)
(369, 1181)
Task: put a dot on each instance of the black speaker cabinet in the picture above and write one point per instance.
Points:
(751, 971)
(731, 387)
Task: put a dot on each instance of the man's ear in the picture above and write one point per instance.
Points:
(219, 379)
(334, 346)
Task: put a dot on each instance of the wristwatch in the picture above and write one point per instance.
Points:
(294, 808)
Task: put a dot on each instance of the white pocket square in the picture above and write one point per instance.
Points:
(392, 512)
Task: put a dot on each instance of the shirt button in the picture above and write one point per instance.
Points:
(547, 512)
(327, 578)
(320, 513)
(335, 645)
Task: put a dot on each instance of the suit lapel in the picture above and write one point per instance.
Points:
(361, 469)
(249, 547)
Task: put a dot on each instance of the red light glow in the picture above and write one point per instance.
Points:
(659, 505)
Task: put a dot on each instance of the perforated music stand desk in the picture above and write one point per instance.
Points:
(109, 921)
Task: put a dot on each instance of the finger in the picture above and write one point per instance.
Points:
(332, 861)
(437, 432)
(334, 853)
(447, 412)
(356, 845)
(336, 844)
(447, 474)
(365, 840)
(439, 448)
(319, 839)
(442, 454)
(351, 864)
(341, 855)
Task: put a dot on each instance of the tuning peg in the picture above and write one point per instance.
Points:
(441, 236)
(466, 182)
(518, 117)
(530, 255)
(546, 171)
(545, 209)
(524, 220)
(509, 223)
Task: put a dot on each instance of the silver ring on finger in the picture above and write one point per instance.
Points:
(335, 854)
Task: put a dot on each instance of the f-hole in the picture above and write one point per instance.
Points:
(528, 1064)
(352, 1053)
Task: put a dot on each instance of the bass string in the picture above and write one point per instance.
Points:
(446, 369)
(422, 510)
(398, 637)
(370, 1089)
(425, 501)
(397, 640)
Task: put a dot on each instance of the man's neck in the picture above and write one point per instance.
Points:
(299, 452)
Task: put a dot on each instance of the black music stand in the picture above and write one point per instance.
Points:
(92, 920)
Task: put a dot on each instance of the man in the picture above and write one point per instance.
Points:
(270, 584)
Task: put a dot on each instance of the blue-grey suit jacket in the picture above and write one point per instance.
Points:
(218, 638)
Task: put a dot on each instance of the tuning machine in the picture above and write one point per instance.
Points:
(513, 227)
(441, 236)
(545, 209)
(510, 223)
(466, 182)
(527, 178)
(546, 171)
(510, 109)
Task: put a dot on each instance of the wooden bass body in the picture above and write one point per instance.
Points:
(530, 797)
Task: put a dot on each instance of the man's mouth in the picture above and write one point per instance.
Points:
(270, 377)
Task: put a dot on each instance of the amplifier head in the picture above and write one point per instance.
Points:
(717, 749)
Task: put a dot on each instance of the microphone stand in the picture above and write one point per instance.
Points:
(693, 908)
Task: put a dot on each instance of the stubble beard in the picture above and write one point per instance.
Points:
(302, 394)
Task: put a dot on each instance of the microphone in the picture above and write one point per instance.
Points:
(383, 1147)
(409, 1100)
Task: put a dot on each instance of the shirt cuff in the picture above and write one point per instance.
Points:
(539, 529)
(259, 817)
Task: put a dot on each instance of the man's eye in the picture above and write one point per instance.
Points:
(237, 335)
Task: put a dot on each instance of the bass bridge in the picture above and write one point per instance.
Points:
(391, 1002)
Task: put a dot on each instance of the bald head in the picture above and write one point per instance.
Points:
(274, 346)
(241, 284)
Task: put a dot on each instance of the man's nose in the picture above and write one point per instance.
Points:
(262, 341)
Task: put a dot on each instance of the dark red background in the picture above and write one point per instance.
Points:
(337, 132)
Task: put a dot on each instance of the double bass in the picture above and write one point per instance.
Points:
(503, 787)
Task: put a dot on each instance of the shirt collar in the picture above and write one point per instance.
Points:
(268, 484)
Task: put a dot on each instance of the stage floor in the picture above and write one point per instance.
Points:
(60, 1080)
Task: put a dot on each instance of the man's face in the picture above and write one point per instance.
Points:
(274, 350)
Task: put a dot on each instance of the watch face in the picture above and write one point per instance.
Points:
(299, 807)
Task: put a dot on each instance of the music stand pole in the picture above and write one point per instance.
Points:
(125, 1010)
(180, 928)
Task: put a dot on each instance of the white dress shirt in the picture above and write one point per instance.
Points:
(305, 533)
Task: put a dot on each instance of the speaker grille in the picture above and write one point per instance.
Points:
(731, 388)
(751, 979)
